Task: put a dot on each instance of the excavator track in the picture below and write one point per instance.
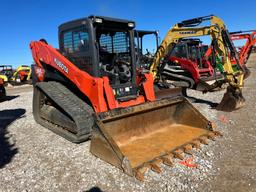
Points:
(61, 111)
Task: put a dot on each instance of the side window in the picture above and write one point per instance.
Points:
(68, 44)
(179, 51)
(81, 39)
(76, 40)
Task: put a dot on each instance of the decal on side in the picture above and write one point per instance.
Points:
(61, 65)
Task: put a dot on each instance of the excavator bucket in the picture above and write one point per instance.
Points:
(141, 137)
(232, 100)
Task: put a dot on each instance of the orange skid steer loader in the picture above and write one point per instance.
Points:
(90, 89)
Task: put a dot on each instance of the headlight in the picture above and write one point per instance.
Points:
(130, 24)
(98, 20)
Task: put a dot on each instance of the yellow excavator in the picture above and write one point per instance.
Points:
(21, 75)
(222, 47)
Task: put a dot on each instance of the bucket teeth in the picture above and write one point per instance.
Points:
(211, 136)
(217, 133)
(139, 173)
(188, 149)
(204, 140)
(155, 166)
(178, 154)
(167, 160)
(196, 144)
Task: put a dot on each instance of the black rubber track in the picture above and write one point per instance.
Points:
(2, 93)
(73, 109)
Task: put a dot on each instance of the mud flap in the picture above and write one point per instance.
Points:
(141, 137)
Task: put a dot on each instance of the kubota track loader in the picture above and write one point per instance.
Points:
(89, 88)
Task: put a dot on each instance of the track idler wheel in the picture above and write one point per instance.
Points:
(232, 100)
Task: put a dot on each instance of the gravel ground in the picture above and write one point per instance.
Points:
(32, 158)
(238, 165)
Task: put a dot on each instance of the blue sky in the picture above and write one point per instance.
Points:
(25, 20)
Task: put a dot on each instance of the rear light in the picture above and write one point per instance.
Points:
(40, 72)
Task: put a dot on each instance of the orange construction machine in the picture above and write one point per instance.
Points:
(246, 49)
(90, 88)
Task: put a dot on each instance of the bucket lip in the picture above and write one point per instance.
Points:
(147, 106)
(170, 152)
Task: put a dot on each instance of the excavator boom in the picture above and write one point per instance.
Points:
(223, 48)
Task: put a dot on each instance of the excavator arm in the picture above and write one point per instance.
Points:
(23, 73)
(221, 42)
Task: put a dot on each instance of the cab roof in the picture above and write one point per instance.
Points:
(105, 20)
